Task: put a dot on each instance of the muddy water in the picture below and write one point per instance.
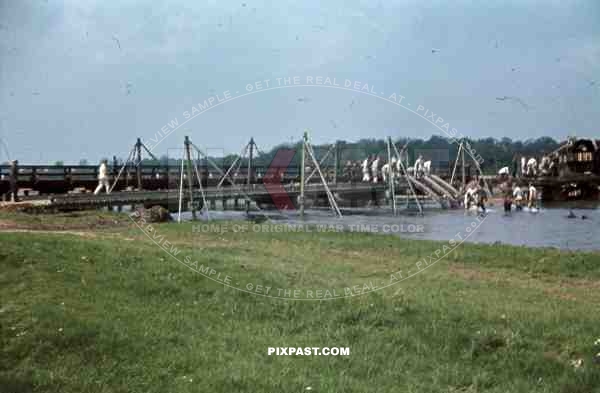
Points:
(550, 227)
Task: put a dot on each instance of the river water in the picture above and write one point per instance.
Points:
(549, 227)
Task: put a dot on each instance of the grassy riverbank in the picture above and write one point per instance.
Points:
(105, 308)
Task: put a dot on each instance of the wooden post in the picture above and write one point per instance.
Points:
(206, 171)
(69, 177)
(34, 176)
(180, 190)
(249, 177)
(199, 165)
(138, 148)
(464, 183)
(188, 154)
(115, 171)
(456, 163)
(14, 181)
(407, 164)
(336, 160)
(391, 175)
(302, 165)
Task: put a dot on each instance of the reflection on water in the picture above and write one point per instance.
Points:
(550, 227)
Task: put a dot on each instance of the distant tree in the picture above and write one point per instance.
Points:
(229, 159)
(59, 163)
(150, 162)
(83, 161)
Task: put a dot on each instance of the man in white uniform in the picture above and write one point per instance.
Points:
(399, 167)
(419, 166)
(532, 167)
(545, 165)
(504, 171)
(102, 178)
(532, 197)
(469, 198)
(393, 168)
(365, 170)
(427, 168)
(518, 196)
(385, 172)
(375, 169)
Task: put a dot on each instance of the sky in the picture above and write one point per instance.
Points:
(82, 79)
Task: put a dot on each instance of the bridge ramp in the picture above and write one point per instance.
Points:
(447, 186)
(436, 188)
(427, 190)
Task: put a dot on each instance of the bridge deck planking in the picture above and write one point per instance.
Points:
(256, 192)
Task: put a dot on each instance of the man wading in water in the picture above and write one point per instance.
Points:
(507, 197)
(532, 197)
(481, 197)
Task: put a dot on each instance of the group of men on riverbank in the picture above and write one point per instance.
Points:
(517, 196)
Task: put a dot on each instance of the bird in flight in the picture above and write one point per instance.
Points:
(516, 99)
(127, 88)
(117, 41)
(349, 108)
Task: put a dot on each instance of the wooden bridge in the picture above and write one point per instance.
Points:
(258, 195)
(134, 183)
(53, 179)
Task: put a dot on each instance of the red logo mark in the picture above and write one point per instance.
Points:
(274, 176)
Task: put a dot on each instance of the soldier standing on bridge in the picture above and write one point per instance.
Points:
(393, 168)
(419, 166)
(102, 178)
(348, 171)
(366, 169)
(375, 169)
(355, 171)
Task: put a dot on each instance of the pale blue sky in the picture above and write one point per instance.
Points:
(68, 92)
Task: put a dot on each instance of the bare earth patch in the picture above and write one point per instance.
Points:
(562, 288)
(8, 224)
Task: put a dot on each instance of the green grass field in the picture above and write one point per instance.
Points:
(107, 310)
